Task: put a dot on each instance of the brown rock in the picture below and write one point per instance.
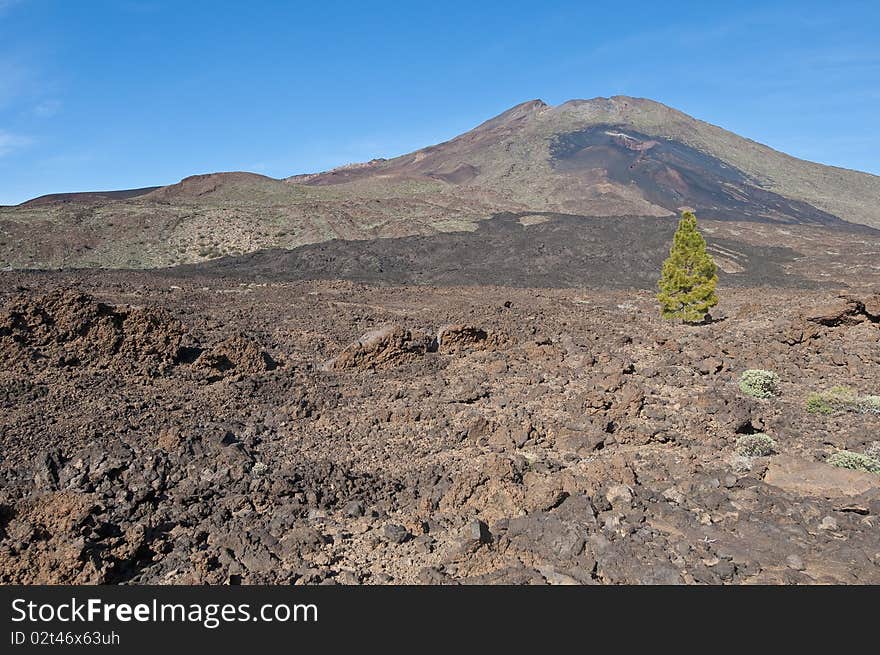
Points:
(798, 331)
(386, 346)
(237, 354)
(169, 438)
(872, 307)
(842, 311)
(710, 365)
(71, 329)
(817, 478)
(461, 338)
(579, 442)
(542, 492)
(497, 367)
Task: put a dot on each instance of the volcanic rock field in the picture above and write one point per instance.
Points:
(160, 429)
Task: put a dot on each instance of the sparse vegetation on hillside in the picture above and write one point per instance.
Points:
(689, 275)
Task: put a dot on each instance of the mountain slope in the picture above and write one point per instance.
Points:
(573, 158)
(611, 157)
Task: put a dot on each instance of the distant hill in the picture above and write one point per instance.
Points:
(88, 196)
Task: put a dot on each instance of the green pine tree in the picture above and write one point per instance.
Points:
(689, 275)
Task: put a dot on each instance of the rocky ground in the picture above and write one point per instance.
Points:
(198, 430)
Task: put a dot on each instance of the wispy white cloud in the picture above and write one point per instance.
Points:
(14, 80)
(47, 108)
(10, 142)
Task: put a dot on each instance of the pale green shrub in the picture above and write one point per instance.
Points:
(759, 383)
(870, 405)
(755, 445)
(816, 404)
(842, 399)
(855, 461)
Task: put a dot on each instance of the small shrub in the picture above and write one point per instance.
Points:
(755, 445)
(842, 399)
(759, 383)
(870, 405)
(842, 395)
(816, 404)
(855, 461)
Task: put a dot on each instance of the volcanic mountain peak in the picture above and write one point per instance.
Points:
(562, 158)
(515, 115)
(536, 116)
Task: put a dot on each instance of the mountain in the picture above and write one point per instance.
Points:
(621, 156)
(605, 157)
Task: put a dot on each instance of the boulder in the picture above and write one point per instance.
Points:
(384, 347)
(69, 329)
(580, 442)
(461, 338)
(818, 478)
(237, 354)
(841, 311)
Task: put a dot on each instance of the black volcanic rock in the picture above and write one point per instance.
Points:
(675, 176)
(564, 251)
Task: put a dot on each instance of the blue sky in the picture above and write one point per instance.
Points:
(130, 93)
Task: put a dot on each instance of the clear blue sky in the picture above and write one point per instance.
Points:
(128, 93)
